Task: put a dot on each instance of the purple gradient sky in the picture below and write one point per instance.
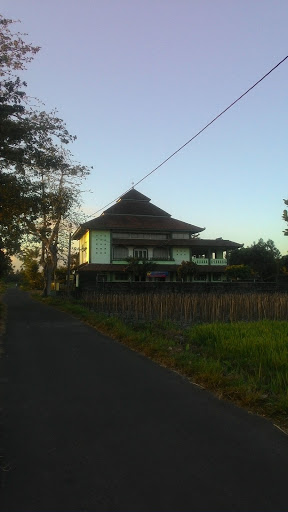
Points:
(135, 80)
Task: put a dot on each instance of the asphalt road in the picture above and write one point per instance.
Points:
(92, 426)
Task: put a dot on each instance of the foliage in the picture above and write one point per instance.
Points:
(13, 205)
(40, 181)
(31, 275)
(262, 257)
(138, 267)
(239, 272)
(284, 265)
(187, 268)
(6, 268)
(61, 274)
(285, 216)
(15, 53)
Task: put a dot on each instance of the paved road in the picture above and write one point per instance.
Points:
(93, 426)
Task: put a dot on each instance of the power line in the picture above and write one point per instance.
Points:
(196, 135)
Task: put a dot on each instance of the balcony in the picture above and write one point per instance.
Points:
(218, 261)
(210, 261)
(201, 261)
(159, 261)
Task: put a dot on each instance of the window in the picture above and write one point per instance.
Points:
(120, 253)
(146, 236)
(149, 236)
(180, 235)
(120, 235)
(161, 253)
(140, 253)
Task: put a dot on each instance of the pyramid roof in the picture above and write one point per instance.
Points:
(134, 211)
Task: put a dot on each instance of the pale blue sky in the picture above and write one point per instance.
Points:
(134, 80)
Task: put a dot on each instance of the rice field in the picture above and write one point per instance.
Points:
(257, 352)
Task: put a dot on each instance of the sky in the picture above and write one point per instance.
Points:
(135, 80)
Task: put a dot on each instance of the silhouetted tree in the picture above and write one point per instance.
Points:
(239, 272)
(187, 269)
(262, 257)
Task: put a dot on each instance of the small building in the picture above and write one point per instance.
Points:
(135, 230)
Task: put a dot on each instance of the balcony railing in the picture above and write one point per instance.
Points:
(210, 261)
(198, 261)
(218, 261)
(201, 261)
(155, 260)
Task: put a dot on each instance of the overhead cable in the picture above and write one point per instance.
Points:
(194, 136)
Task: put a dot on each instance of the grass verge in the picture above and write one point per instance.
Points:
(244, 362)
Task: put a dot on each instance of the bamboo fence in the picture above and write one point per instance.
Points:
(191, 308)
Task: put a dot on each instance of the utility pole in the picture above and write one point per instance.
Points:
(69, 263)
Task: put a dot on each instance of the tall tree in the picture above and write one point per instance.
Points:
(36, 169)
(15, 54)
(52, 205)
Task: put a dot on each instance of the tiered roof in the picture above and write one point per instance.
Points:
(134, 211)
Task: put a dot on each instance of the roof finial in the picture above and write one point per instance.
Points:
(132, 184)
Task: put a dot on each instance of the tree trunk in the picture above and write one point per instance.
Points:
(49, 269)
(48, 275)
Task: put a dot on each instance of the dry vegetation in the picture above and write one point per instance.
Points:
(187, 308)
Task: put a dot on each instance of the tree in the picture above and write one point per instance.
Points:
(46, 194)
(239, 272)
(9, 228)
(262, 257)
(138, 268)
(285, 217)
(15, 54)
(6, 268)
(30, 272)
(36, 170)
(187, 268)
(54, 196)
